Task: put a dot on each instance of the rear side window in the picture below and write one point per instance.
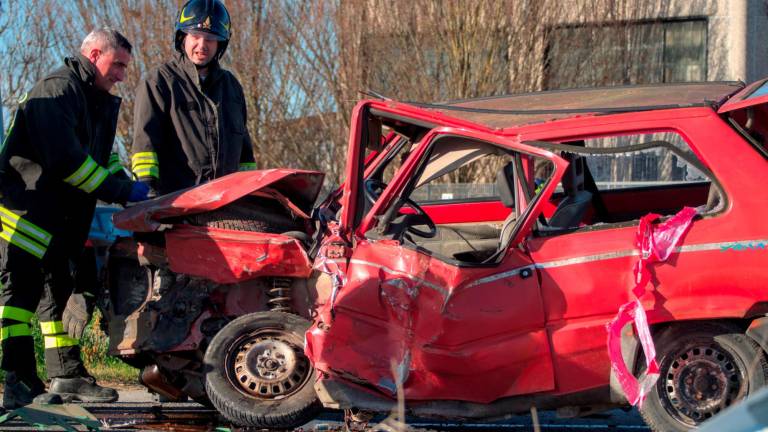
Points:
(656, 165)
(619, 179)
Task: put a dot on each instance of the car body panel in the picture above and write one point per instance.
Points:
(751, 95)
(301, 186)
(226, 256)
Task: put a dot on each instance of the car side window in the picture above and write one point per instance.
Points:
(613, 180)
(492, 187)
(475, 181)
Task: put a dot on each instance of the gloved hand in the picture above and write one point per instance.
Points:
(139, 192)
(77, 313)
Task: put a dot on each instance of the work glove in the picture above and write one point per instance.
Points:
(139, 192)
(77, 313)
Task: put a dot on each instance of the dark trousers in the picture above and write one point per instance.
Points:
(32, 284)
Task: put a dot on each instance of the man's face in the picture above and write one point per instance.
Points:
(200, 47)
(111, 66)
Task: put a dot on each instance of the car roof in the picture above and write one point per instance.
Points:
(538, 107)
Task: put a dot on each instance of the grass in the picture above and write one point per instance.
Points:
(93, 350)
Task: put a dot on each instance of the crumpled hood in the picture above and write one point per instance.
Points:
(297, 189)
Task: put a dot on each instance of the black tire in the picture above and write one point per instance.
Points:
(256, 374)
(250, 214)
(704, 368)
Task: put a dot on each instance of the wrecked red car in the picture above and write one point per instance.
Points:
(200, 258)
(469, 264)
(480, 259)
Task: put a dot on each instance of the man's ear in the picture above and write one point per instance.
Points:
(93, 54)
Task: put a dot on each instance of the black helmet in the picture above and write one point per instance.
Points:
(207, 16)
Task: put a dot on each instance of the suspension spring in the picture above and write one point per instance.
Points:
(280, 295)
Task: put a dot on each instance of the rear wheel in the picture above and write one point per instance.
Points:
(704, 368)
(257, 374)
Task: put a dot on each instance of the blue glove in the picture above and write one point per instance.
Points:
(139, 192)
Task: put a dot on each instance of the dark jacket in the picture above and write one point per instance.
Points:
(55, 161)
(187, 132)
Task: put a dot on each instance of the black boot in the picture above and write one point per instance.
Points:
(82, 389)
(21, 389)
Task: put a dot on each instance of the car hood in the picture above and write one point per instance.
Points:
(297, 189)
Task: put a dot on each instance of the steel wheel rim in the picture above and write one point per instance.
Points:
(700, 381)
(267, 364)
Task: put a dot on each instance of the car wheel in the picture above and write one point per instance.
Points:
(704, 368)
(256, 373)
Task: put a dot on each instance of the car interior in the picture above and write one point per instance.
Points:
(667, 178)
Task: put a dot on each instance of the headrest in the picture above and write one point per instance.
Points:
(573, 178)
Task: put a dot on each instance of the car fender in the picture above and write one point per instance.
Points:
(630, 351)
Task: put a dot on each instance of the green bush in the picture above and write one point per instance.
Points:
(93, 349)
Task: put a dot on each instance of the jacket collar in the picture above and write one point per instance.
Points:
(184, 63)
(82, 67)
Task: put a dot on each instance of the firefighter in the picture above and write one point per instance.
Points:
(54, 164)
(190, 115)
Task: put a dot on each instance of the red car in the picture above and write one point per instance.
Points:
(479, 302)
(471, 260)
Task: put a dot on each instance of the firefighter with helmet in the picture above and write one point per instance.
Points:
(190, 113)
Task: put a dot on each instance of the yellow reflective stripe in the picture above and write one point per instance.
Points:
(247, 166)
(15, 330)
(144, 157)
(83, 172)
(59, 341)
(51, 327)
(147, 171)
(15, 221)
(114, 163)
(16, 314)
(96, 180)
(18, 239)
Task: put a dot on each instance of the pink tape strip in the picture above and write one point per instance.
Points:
(656, 244)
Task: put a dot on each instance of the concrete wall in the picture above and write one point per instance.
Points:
(737, 31)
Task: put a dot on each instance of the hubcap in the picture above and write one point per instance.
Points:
(268, 366)
(701, 382)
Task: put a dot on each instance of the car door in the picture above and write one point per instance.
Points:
(442, 329)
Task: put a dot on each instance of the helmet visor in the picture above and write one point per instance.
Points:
(206, 34)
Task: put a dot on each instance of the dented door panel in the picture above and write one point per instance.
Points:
(451, 332)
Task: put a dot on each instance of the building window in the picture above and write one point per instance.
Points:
(626, 53)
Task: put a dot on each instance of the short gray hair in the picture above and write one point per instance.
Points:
(107, 38)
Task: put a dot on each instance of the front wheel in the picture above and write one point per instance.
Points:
(256, 373)
(704, 368)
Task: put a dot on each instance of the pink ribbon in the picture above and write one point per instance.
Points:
(656, 244)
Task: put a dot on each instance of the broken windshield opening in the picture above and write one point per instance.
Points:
(463, 201)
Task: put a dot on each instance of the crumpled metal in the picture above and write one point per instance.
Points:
(332, 260)
(656, 243)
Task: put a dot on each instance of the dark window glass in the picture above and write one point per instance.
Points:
(626, 53)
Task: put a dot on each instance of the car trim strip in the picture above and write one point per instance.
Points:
(560, 263)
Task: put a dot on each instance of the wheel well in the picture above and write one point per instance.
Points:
(633, 351)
